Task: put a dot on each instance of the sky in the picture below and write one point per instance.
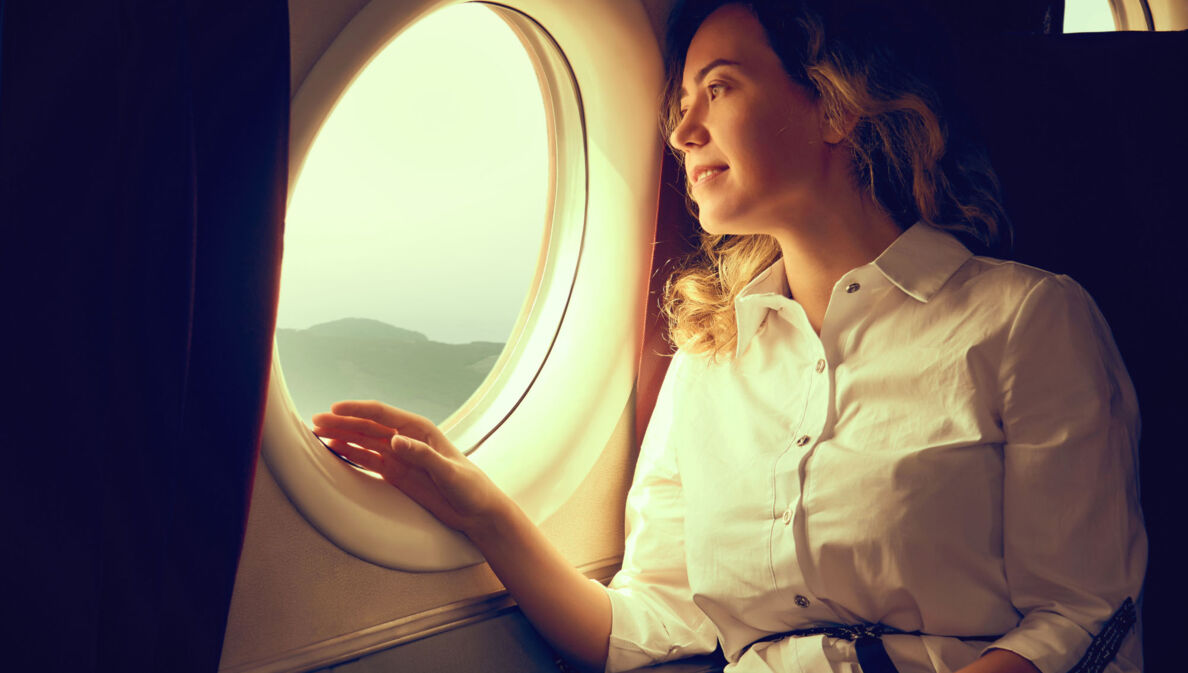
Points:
(422, 200)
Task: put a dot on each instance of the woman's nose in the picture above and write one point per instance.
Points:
(689, 132)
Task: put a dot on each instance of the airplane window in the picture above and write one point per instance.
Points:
(1088, 16)
(419, 222)
(448, 173)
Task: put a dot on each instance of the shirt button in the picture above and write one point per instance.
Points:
(787, 516)
(801, 601)
(852, 288)
(804, 439)
(820, 366)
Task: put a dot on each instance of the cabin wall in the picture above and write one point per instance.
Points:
(300, 602)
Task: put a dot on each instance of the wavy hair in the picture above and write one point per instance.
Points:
(857, 60)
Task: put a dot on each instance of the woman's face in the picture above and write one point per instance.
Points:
(752, 138)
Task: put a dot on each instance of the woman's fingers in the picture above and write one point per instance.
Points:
(383, 414)
(410, 452)
(368, 460)
(378, 415)
(417, 454)
(434, 474)
(361, 426)
(413, 467)
(378, 456)
(378, 444)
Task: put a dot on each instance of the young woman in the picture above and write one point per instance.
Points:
(872, 447)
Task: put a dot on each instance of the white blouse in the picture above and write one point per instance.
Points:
(956, 454)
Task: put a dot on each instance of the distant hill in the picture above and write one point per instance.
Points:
(359, 358)
(364, 328)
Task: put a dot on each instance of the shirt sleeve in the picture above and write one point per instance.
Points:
(1074, 545)
(653, 617)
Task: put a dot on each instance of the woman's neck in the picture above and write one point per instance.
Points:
(822, 247)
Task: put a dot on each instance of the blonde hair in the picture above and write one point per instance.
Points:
(899, 144)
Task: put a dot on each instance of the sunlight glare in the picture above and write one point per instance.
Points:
(422, 200)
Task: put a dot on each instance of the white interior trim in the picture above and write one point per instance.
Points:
(403, 630)
(1132, 15)
(542, 451)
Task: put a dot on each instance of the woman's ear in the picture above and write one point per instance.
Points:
(836, 125)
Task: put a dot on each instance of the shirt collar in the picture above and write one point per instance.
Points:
(919, 262)
(766, 291)
(922, 260)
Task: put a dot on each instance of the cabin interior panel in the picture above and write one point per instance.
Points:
(300, 602)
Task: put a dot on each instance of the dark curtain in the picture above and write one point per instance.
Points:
(143, 169)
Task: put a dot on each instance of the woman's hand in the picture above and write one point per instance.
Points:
(412, 454)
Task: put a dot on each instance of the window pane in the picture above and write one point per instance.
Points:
(1088, 16)
(415, 228)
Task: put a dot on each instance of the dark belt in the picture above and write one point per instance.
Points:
(872, 656)
(867, 639)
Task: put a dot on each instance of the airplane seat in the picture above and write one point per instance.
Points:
(1089, 136)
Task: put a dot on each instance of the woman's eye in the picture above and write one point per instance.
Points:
(715, 90)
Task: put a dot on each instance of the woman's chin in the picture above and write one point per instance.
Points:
(711, 223)
(708, 228)
(718, 226)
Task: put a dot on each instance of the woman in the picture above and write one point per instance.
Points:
(864, 424)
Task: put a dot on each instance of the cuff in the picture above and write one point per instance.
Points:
(635, 640)
(1053, 643)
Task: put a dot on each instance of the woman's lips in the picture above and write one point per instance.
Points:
(706, 174)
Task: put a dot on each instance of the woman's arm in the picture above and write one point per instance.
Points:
(411, 453)
(571, 612)
(1000, 661)
(1074, 547)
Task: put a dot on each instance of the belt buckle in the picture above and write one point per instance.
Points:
(858, 631)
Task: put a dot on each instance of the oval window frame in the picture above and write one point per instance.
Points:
(535, 433)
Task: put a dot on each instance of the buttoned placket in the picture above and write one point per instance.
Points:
(805, 427)
(850, 298)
